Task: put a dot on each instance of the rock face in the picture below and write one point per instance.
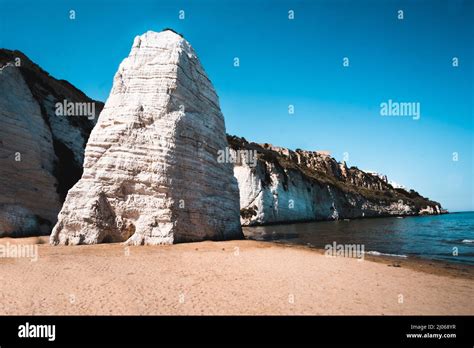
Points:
(41, 154)
(151, 174)
(286, 186)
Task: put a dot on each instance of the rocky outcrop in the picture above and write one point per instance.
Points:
(151, 170)
(41, 153)
(153, 167)
(280, 185)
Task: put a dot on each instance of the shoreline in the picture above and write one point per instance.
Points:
(292, 222)
(437, 255)
(241, 277)
(416, 263)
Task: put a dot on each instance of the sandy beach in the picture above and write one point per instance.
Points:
(232, 277)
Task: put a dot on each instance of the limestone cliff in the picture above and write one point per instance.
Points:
(152, 169)
(151, 174)
(41, 153)
(284, 186)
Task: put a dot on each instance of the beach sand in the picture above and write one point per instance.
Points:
(232, 277)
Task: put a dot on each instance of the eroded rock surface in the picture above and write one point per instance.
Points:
(151, 174)
(41, 153)
(287, 186)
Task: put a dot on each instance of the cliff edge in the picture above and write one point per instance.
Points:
(282, 185)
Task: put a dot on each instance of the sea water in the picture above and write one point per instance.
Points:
(447, 237)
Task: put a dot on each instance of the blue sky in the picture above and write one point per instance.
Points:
(297, 62)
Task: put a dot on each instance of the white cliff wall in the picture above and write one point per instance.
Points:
(27, 183)
(287, 186)
(41, 153)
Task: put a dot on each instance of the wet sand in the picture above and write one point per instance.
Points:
(232, 277)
